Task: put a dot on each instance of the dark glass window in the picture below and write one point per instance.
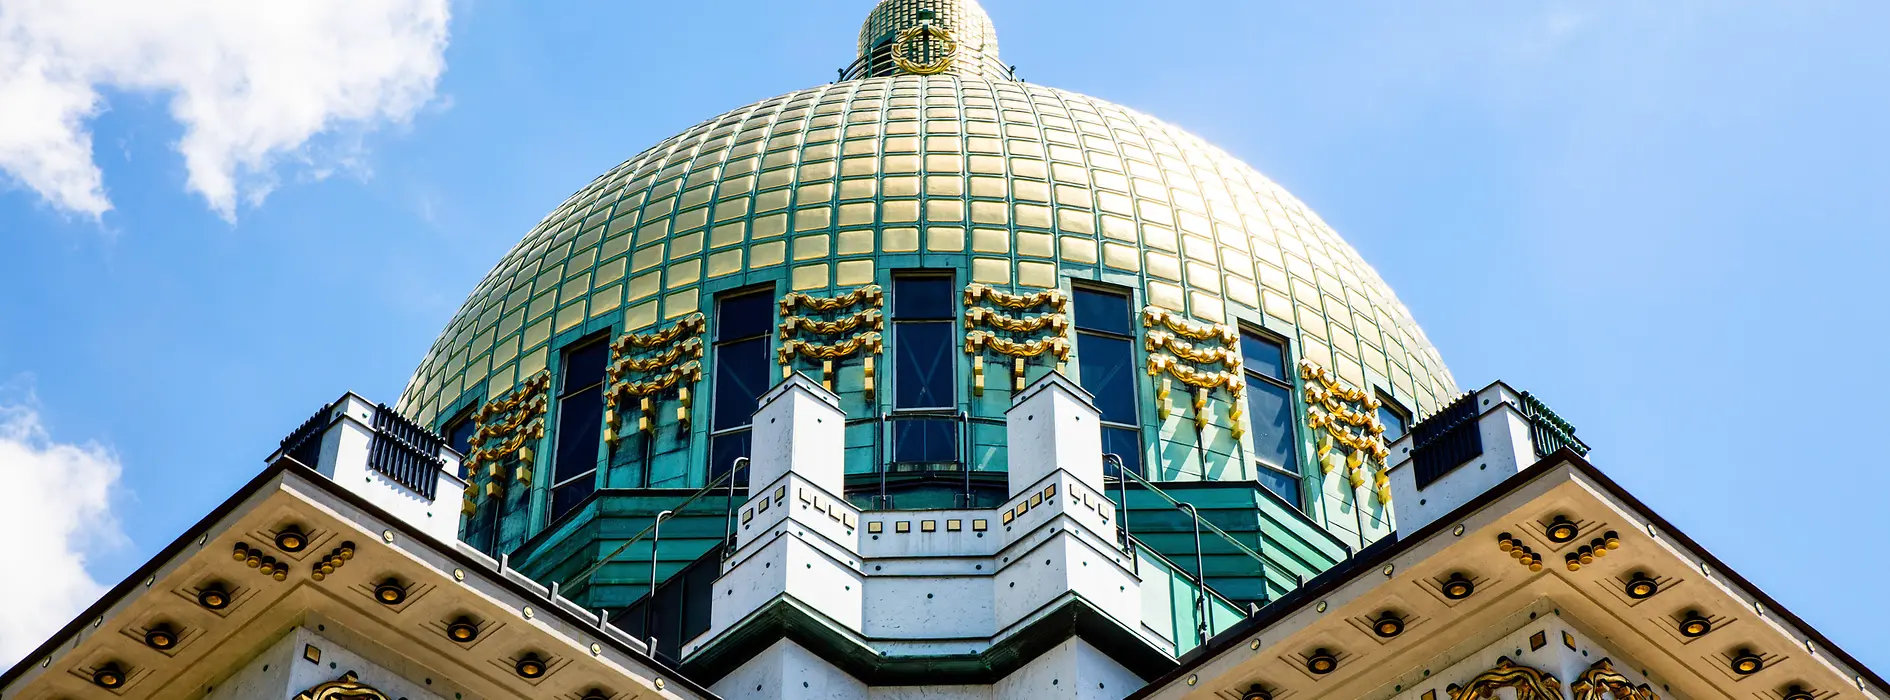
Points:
(1270, 415)
(580, 426)
(1105, 362)
(925, 440)
(924, 361)
(743, 372)
(1393, 418)
(459, 435)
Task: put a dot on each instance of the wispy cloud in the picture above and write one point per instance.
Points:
(251, 83)
(56, 507)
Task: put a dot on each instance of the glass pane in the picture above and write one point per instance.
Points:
(1106, 366)
(744, 316)
(584, 366)
(924, 359)
(1102, 311)
(459, 435)
(742, 370)
(1262, 356)
(923, 297)
(1286, 486)
(1124, 443)
(1393, 422)
(1270, 410)
(566, 497)
(925, 440)
(723, 451)
(580, 423)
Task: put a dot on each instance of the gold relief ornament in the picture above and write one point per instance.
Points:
(1054, 298)
(869, 294)
(1159, 363)
(927, 49)
(1601, 678)
(345, 688)
(1157, 341)
(1529, 683)
(689, 372)
(980, 316)
(977, 341)
(690, 325)
(868, 318)
(1187, 328)
(690, 349)
(869, 343)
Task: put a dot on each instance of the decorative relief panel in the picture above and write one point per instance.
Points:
(858, 313)
(1203, 367)
(677, 365)
(503, 432)
(345, 688)
(1020, 337)
(1529, 683)
(1345, 420)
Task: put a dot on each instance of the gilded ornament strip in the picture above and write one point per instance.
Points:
(690, 349)
(690, 325)
(1161, 341)
(870, 294)
(1345, 416)
(981, 316)
(1187, 328)
(978, 341)
(1529, 683)
(869, 319)
(869, 341)
(1055, 298)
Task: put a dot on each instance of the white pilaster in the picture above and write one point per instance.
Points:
(1053, 424)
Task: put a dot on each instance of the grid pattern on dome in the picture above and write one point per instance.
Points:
(970, 26)
(1015, 180)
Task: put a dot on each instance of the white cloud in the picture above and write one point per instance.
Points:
(54, 507)
(249, 81)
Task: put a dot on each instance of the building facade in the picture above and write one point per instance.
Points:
(932, 383)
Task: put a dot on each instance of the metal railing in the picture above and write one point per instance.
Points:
(1549, 431)
(582, 577)
(1264, 562)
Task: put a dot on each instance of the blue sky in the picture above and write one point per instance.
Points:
(1667, 219)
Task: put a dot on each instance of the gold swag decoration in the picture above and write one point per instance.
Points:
(868, 321)
(677, 367)
(1172, 358)
(1601, 678)
(941, 57)
(344, 688)
(1530, 684)
(1018, 337)
(502, 429)
(1344, 416)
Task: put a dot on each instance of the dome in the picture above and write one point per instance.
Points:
(1007, 185)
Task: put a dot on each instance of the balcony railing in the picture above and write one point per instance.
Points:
(1550, 432)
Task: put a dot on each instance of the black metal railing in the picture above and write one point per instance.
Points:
(406, 453)
(1445, 440)
(1550, 432)
(304, 445)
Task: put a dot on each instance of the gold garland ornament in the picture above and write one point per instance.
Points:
(679, 363)
(1529, 683)
(940, 60)
(867, 318)
(345, 688)
(1186, 328)
(869, 342)
(691, 325)
(515, 421)
(1601, 678)
(1169, 368)
(1348, 417)
(870, 294)
(976, 342)
(981, 316)
(1054, 298)
(1161, 341)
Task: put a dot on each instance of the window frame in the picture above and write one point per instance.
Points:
(552, 484)
(951, 412)
(1298, 471)
(717, 343)
(1134, 345)
(1386, 402)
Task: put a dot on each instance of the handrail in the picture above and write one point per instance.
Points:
(1258, 557)
(588, 571)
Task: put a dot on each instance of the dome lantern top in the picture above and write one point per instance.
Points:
(928, 37)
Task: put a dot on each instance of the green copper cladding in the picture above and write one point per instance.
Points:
(966, 173)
